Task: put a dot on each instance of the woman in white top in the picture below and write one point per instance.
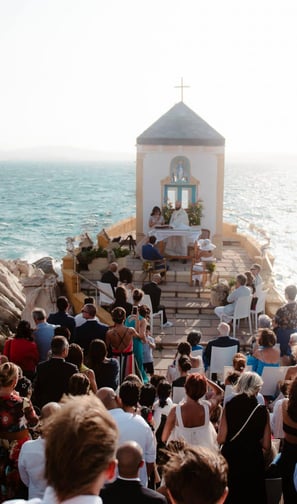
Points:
(190, 420)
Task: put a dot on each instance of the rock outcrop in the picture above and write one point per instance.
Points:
(22, 287)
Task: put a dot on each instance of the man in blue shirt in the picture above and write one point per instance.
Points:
(43, 333)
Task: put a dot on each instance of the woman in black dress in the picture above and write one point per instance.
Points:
(245, 434)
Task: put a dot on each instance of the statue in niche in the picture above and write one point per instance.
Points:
(178, 173)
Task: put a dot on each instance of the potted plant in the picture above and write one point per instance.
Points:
(219, 293)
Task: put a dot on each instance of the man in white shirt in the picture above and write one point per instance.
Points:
(32, 456)
(80, 451)
(132, 427)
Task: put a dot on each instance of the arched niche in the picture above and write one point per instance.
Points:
(179, 185)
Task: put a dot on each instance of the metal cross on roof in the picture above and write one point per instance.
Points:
(182, 86)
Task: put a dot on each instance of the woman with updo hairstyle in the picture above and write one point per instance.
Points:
(190, 420)
(266, 354)
(22, 349)
(16, 416)
(239, 362)
(119, 343)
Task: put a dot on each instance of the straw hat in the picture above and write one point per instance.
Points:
(206, 245)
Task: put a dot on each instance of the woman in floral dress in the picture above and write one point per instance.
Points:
(16, 416)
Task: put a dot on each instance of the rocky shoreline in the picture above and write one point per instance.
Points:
(24, 286)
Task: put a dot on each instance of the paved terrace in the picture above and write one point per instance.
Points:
(188, 307)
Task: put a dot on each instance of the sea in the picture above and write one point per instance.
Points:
(44, 202)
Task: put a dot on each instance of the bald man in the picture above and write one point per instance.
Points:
(127, 486)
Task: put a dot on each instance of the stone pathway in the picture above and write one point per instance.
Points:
(188, 308)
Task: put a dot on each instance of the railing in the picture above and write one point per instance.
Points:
(94, 285)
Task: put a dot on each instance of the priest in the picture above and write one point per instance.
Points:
(178, 245)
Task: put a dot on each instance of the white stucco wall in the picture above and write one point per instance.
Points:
(203, 163)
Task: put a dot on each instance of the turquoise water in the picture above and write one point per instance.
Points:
(42, 203)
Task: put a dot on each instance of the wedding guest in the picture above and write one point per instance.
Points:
(288, 458)
(43, 334)
(22, 349)
(154, 291)
(75, 469)
(121, 299)
(223, 340)
(119, 341)
(226, 312)
(62, 317)
(138, 320)
(285, 322)
(244, 432)
(79, 384)
(106, 369)
(79, 318)
(90, 330)
(110, 276)
(266, 354)
(127, 486)
(52, 376)
(148, 346)
(255, 270)
(132, 427)
(76, 357)
(190, 420)
(196, 474)
(16, 416)
(32, 455)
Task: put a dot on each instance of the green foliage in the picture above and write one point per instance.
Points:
(210, 266)
(195, 213)
(167, 210)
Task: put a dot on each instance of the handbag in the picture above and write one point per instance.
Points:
(245, 423)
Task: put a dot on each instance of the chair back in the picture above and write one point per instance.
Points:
(146, 300)
(178, 394)
(106, 296)
(260, 305)
(242, 307)
(220, 357)
(271, 376)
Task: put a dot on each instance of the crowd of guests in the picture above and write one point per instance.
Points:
(76, 366)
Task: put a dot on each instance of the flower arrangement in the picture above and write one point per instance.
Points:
(195, 213)
(210, 266)
(167, 210)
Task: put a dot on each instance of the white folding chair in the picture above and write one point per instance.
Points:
(271, 377)
(147, 301)
(178, 394)
(106, 296)
(197, 353)
(260, 306)
(242, 310)
(220, 357)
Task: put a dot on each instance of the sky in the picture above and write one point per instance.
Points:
(94, 75)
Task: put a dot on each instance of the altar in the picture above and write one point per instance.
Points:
(192, 235)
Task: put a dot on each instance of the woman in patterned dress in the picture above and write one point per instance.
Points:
(16, 416)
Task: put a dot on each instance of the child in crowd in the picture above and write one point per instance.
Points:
(148, 346)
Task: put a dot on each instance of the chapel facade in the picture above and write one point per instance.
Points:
(181, 157)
